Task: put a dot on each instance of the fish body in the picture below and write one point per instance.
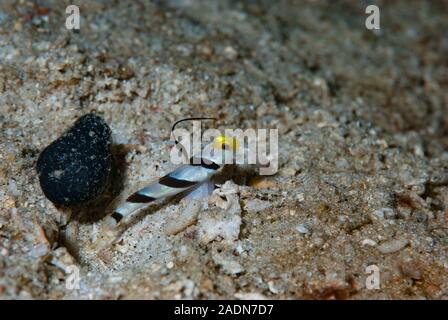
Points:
(200, 169)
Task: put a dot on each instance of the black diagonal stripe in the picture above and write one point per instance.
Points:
(117, 216)
(210, 165)
(139, 198)
(172, 182)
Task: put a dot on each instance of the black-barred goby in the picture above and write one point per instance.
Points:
(188, 176)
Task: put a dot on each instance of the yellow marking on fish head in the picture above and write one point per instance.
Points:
(226, 143)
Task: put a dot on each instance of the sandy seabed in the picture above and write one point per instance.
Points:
(363, 148)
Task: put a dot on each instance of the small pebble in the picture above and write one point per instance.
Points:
(378, 214)
(39, 250)
(230, 53)
(250, 296)
(75, 168)
(384, 213)
(272, 287)
(368, 242)
(393, 245)
(303, 229)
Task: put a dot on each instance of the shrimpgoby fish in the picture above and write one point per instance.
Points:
(200, 169)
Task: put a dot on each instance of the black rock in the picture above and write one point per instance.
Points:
(75, 168)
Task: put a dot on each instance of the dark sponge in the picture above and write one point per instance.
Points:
(75, 168)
